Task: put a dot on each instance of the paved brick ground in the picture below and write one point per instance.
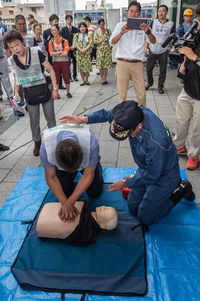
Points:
(113, 153)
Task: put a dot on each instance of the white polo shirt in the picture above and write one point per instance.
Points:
(131, 45)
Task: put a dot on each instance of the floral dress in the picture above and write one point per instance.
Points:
(104, 51)
(83, 60)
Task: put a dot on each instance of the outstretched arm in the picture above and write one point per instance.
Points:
(96, 117)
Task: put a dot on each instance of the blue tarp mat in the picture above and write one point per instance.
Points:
(114, 265)
(173, 245)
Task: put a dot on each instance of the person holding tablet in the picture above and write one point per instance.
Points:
(130, 46)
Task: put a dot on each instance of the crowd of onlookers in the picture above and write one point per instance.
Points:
(56, 50)
(70, 50)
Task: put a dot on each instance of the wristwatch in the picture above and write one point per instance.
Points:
(197, 59)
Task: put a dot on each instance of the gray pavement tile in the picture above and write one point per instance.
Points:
(6, 189)
(13, 158)
(96, 129)
(14, 131)
(25, 137)
(105, 135)
(125, 155)
(126, 164)
(109, 150)
(7, 142)
(124, 143)
(108, 164)
(3, 173)
(17, 171)
(164, 109)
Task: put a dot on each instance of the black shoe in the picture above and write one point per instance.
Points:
(184, 190)
(75, 79)
(87, 83)
(187, 191)
(20, 114)
(61, 87)
(69, 95)
(71, 80)
(3, 148)
(82, 84)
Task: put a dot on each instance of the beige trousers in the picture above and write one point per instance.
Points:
(186, 108)
(125, 72)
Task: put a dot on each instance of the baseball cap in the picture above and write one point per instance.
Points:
(126, 116)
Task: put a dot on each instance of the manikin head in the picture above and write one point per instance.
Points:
(106, 217)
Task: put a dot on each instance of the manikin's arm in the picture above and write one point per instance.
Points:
(82, 186)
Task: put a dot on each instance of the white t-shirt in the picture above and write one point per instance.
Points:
(131, 45)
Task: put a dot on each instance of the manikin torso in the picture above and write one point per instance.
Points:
(50, 225)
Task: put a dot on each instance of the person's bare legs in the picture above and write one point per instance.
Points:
(102, 75)
(86, 77)
(105, 73)
(83, 77)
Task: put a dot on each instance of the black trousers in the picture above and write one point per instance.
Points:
(162, 61)
(67, 182)
(73, 61)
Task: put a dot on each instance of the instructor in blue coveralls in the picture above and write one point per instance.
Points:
(156, 187)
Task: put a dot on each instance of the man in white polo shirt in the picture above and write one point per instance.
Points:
(130, 54)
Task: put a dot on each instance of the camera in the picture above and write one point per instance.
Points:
(190, 39)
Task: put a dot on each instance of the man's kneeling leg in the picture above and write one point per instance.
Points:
(134, 198)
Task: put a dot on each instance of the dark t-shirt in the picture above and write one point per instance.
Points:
(192, 77)
(42, 58)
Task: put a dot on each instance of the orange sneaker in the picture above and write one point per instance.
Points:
(192, 163)
(182, 151)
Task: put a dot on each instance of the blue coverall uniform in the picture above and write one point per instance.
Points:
(158, 173)
(185, 28)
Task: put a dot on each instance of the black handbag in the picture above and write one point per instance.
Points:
(37, 94)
